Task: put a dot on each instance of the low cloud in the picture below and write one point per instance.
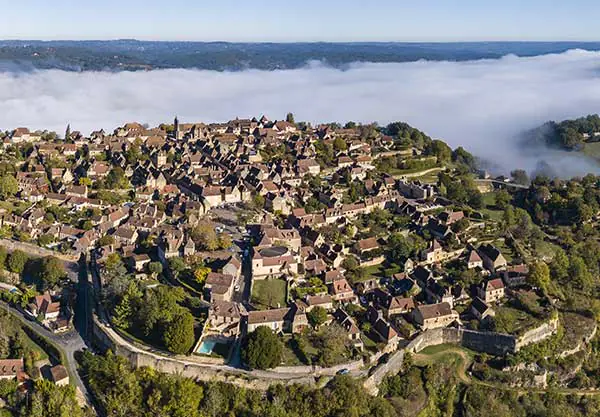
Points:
(481, 105)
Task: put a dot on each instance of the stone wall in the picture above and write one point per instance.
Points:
(35, 250)
(538, 334)
(206, 369)
(372, 262)
(317, 370)
(488, 342)
(581, 345)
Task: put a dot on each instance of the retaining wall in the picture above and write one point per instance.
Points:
(207, 369)
(538, 334)
(493, 343)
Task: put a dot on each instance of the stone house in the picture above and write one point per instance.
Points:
(280, 320)
(492, 258)
(474, 260)
(43, 306)
(59, 375)
(12, 368)
(348, 323)
(219, 286)
(433, 316)
(342, 291)
(491, 291)
(225, 317)
(481, 310)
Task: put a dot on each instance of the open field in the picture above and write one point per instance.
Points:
(269, 293)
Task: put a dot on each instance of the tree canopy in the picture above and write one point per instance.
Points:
(261, 349)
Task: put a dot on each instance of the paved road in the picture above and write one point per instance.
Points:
(74, 340)
(68, 343)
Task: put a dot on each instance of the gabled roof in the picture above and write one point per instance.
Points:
(479, 305)
(430, 311)
(401, 303)
(494, 284)
(268, 316)
(474, 257)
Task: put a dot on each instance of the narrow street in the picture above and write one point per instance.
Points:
(68, 343)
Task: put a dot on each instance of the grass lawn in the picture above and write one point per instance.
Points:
(489, 201)
(375, 271)
(445, 353)
(545, 249)
(292, 356)
(269, 293)
(31, 345)
(513, 321)
(592, 150)
(431, 178)
(507, 252)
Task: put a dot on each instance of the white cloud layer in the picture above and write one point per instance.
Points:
(480, 105)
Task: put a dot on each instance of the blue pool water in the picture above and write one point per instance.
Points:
(206, 347)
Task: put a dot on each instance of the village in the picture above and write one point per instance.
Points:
(345, 242)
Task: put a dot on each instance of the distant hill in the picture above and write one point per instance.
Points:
(568, 134)
(132, 55)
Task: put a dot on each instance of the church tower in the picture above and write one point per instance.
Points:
(176, 127)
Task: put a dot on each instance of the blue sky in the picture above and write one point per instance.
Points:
(301, 20)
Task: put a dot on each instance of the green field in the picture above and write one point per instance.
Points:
(269, 293)
(592, 150)
(489, 201)
(507, 252)
(514, 321)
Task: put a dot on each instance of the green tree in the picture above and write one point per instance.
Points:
(123, 312)
(177, 265)
(262, 349)
(290, 118)
(17, 261)
(106, 240)
(503, 199)
(258, 202)
(440, 150)
(85, 181)
(579, 274)
(116, 179)
(559, 268)
(205, 236)
(8, 186)
(50, 271)
(317, 316)
(179, 333)
(27, 296)
(45, 240)
(339, 144)
(155, 268)
(519, 176)
(201, 273)
(224, 240)
(3, 257)
(539, 275)
(50, 400)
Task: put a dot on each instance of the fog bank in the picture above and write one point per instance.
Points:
(481, 105)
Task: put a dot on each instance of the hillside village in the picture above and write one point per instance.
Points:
(346, 242)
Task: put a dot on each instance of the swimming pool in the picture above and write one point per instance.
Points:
(206, 347)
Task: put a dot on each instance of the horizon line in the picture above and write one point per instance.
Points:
(298, 41)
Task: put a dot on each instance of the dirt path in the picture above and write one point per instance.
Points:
(465, 361)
